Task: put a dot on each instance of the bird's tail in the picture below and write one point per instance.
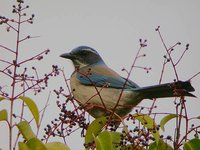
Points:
(179, 88)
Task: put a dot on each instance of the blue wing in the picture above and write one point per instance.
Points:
(102, 76)
(107, 78)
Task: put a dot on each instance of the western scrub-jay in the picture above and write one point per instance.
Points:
(100, 90)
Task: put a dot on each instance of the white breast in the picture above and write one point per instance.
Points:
(103, 96)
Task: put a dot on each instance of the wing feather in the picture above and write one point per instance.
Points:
(101, 76)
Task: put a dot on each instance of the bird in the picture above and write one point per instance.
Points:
(101, 91)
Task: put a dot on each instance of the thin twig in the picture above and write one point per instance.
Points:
(194, 75)
(6, 48)
(169, 55)
(126, 80)
(16, 30)
(180, 57)
(32, 58)
(42, 115)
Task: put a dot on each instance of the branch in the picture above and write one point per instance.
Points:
(6, 48)
(168, 52)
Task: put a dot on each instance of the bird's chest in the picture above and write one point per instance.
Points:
(102, 97)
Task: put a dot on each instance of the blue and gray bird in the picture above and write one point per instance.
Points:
(100, 90)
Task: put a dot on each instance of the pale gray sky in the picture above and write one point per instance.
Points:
(113, 28)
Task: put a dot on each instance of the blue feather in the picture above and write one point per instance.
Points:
(105, 81)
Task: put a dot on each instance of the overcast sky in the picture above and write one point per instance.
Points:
(113, 28)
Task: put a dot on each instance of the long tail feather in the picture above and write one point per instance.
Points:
(179, 88)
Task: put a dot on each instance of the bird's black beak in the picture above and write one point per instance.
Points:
(68, 56)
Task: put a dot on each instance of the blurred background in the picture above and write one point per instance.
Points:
(113, 28)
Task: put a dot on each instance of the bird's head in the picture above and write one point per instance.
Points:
(83, 56)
